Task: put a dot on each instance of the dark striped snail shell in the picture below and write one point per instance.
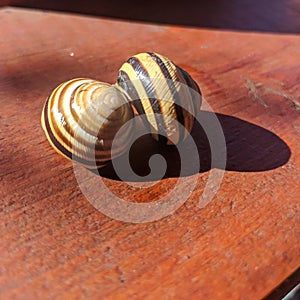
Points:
(81, 117)
(163, 92)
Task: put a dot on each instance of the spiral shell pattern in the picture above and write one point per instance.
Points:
(163, 92)
(81, 117)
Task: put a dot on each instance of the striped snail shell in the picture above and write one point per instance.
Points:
(163, 92)
(81, 117)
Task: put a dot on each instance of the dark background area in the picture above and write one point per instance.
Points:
(246, 15)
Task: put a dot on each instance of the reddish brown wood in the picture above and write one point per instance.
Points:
(55, 244)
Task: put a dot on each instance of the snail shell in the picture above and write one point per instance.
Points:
(81, 117)
(163, 92)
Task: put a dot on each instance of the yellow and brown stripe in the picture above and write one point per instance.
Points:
(161, 90)
(81, 117)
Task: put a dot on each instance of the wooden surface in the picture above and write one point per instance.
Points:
(55, 244)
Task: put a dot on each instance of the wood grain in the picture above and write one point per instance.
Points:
(241, 245)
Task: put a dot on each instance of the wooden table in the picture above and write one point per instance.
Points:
(241, 245)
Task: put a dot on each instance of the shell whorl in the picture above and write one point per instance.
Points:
(81, 117)
(163, 92)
